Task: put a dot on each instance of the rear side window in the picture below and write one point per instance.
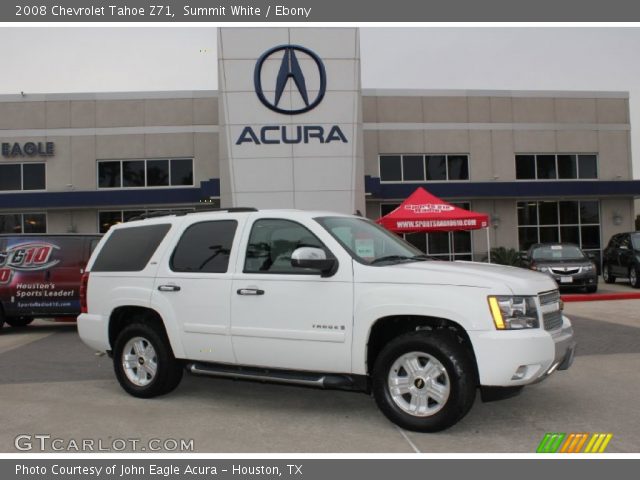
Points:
(205, 247)
(130, 249)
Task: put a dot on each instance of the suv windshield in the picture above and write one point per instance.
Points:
(635, 240)
(369, 243)
(557, 252)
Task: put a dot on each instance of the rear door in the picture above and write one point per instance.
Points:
(194, 285)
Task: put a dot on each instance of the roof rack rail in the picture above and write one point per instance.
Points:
(180, 213)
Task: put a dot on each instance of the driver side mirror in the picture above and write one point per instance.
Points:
(314, 258)
(591, 256)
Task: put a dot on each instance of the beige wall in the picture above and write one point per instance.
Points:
(498, 129)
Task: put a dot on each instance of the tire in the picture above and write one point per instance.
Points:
(634, 275)
(19, 322)
(144, 363)
(607, 276)
(591, 289)
(443, 399)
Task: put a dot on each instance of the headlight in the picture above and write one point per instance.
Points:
(514, 313)
(542, 269)
(588, 268)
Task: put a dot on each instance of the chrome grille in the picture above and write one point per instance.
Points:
(552, 320)
(551, 317)
(551, 296)
(566, 271)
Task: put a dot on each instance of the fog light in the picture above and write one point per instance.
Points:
(521, 372)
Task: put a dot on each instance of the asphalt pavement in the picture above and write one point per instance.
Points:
(51, 384)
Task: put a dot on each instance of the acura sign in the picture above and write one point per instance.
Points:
(290, 71)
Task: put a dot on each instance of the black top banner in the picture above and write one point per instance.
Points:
(262, 11)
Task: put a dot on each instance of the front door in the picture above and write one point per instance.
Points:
(289, 317)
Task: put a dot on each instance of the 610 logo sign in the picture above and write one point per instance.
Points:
(26, 257)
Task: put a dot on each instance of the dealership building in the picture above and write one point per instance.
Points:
(291, 127)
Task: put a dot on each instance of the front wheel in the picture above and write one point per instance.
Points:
(591, 289)
(424, 381)
(144, 363)
(19, 322)
(633, 277)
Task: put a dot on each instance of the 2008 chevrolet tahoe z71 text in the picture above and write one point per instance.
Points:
(317, 299)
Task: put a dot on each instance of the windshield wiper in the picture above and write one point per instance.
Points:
(390, 258)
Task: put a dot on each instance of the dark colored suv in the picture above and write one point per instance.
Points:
(569, 266)
(622, 258)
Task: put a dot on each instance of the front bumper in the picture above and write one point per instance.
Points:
(579, 280)
(522, 357)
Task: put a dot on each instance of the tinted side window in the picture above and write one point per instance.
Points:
(205, 247)
(625, 241)
(130, 249)
(271, 244)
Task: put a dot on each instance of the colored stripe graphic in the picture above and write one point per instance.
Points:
(574, 442)
(550, 443)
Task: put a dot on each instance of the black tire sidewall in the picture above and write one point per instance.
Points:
(454, 358)
(608, 278)
(19, 322)
(167, 368)
(637, 282)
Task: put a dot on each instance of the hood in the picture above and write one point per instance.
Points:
(500, 279)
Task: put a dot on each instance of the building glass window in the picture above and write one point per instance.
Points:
(420, 168)
(157, 173)
(133, 174)
(571, 221)
(22, 176)
(182, 172)
(442, 245)
(525, 167)
(557, 167)
(23, 223)
(390, 168)
(108, 218)
(145, 173)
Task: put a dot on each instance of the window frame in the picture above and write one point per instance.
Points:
(22, 164)
(306, 272)
(146, 173)
(22, 215)
(579, 225)
(557, 177)
(424, 167)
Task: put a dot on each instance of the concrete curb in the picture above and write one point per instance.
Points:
(584, 297)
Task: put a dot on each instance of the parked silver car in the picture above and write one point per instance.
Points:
(566, 263)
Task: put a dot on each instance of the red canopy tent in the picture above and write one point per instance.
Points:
(424, 212)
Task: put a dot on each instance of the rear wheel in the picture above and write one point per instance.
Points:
(19, 322)
(633, 277)
(424, 381)
(607, 276)
(144, 363)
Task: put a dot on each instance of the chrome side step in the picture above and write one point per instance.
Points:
(306, 379)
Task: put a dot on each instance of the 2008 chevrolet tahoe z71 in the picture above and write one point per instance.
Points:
(317, 299)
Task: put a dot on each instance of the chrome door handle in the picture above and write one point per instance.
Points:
(169, 288)
(250, 291)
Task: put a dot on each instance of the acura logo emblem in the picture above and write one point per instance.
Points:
(290, 69)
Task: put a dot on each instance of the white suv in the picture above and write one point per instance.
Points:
(317, 299)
